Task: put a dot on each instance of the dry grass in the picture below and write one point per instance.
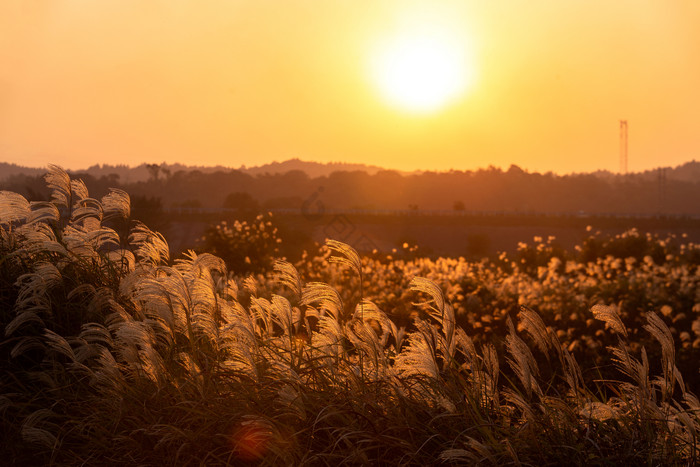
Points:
(114, 354)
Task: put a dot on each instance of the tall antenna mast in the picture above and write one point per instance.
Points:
(623, 147)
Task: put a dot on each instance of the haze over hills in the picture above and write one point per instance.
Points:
(688, 172)
(145, 171)
(287, 186)
(312, 169)
(8, 170)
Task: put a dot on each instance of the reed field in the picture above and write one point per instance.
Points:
(114, 353)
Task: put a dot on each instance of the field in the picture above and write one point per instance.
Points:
(114, 353)
(452, 234)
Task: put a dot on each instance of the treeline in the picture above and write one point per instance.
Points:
(490, 189)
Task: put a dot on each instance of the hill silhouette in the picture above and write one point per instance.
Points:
(672, 191)
(144, 172)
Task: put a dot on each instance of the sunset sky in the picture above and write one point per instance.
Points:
(537, 83)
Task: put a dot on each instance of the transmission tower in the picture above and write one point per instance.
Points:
(623, 146)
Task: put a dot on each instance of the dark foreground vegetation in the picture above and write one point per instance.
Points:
(114, 353)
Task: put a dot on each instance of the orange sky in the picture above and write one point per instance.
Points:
(246, 82)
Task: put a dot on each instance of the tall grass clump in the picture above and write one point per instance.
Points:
(115, 353)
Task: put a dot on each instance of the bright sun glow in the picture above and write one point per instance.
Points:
(421, 72)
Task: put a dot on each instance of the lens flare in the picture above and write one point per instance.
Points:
(251, 440)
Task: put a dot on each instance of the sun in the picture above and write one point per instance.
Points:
(421, 72)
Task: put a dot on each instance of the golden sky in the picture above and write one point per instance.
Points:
(246, 82)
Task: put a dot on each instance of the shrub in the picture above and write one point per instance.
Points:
(246, 247)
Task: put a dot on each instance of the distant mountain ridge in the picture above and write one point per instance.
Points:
(287, 185)
(145, 171)
(312, 169)
(687, 172)
(8, 170)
